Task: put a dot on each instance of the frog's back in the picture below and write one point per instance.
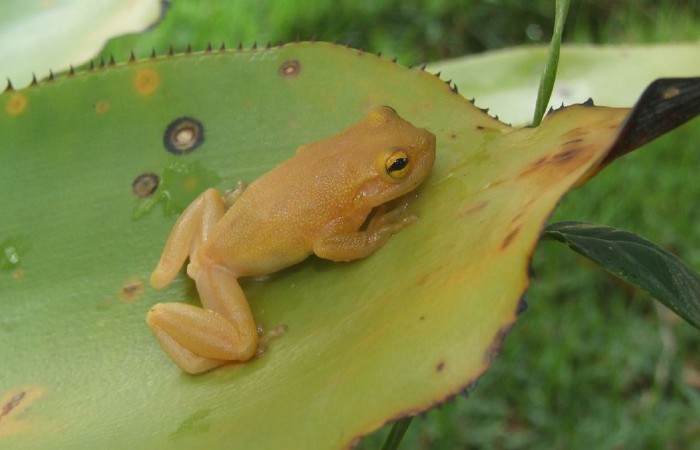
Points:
(275, 221)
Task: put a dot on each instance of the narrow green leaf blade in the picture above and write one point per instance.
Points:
(398, 430)
(549, 74)
(637, 261)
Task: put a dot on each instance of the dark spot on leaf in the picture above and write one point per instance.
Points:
(534, 166)
(473, 208)
(565, 155)
(132, 290)
(573, 141)
(508, 239)
(453, 136)
(440, 366)
(183, 135)
(575, 133)
(479, 127)
(421, 318)
(145, 184)
(11, 404)
(290, 68)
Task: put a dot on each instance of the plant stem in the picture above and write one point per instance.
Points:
(396, 434)
(550, 69)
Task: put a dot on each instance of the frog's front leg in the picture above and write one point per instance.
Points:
(199, 339)
(347, 246)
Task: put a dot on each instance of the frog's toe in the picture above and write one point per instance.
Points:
(197, 339)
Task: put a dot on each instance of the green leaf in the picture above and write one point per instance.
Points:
(505, 80)
(549, 74)
(637, 261)
(37, 37)
(368, 342)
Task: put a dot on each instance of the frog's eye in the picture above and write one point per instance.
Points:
(396, 165)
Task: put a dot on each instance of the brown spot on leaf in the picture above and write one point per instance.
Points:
(508, 239)
(473, 208)
(132, 290)
(183, 135)
(146, 81)
(565, 155)
(145, 184)
(290, 68)
(517, 217)
(670, 93)
(533, 167)
(573, 141)
(12, 404)
(440, 366)
(575, 133)
(573, 154)
(102, 107)
(16, 104)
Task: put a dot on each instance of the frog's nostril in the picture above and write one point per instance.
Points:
(290, 68)
(183, 135)
(145, 184)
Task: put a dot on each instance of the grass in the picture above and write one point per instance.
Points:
(592, 363)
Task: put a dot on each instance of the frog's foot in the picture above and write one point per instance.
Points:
(362, 243)
(395, 218)
(200, 339)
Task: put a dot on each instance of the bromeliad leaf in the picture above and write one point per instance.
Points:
(372, 341)
(637, 261)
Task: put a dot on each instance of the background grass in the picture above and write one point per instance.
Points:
(592, 363)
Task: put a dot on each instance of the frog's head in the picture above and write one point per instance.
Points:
(399, 154)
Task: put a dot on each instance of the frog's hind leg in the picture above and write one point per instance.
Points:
(192, 228)
(200, 339)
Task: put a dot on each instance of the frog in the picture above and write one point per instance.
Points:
(340, 198)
